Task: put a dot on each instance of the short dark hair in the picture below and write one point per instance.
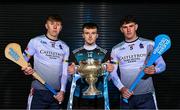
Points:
(53, 17)
(128, 19)
(90, 26)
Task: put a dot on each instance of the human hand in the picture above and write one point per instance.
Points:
(59, 97)
(150, 70)
(110, 67)
(28, 70)
(125, 92)
(71, 68)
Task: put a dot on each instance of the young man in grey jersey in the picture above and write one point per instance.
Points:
(131, 56)
(50, 62)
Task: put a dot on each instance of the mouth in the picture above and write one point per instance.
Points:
(129, 33)
(90, 39)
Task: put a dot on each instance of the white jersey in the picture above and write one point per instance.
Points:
(131, 57)
(50, 61)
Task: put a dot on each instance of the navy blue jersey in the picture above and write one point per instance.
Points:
(83, 54)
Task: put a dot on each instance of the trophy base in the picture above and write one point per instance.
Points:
(92, 92)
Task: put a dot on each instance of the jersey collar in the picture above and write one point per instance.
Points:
(132, 41)
(50, 39)
(92, 47)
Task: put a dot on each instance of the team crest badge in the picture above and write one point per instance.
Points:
(141, 45)
(131, 46)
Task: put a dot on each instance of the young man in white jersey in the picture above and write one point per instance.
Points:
(50, 62)
(90, 51)
(131, 55)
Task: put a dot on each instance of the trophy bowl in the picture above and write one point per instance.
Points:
(90, 70)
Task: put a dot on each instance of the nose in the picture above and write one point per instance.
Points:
(128, 29)
(55, 26)
(90, 35)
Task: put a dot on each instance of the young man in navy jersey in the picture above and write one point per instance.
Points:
(50, 62)
(90, 51)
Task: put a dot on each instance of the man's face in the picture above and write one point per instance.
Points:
(90, 35)
(53, 27)
(129, 30)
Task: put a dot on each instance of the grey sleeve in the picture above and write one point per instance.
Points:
(160, 65)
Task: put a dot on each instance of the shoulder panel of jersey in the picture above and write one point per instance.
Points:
(64, 47)
(63, 43)
(78, 49)
(151, 42)
(101, 49)
(37, 38)
(32, 44)
(41, 37)
(118, 45)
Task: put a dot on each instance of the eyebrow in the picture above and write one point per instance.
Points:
(129, 25)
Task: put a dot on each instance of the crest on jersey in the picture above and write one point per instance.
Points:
(60, 46)
(53, 44)
(141, 45)
(131, 46)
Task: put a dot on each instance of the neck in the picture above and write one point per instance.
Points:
(131, 40)
(51, 37)
(89, 44)
(90, 47)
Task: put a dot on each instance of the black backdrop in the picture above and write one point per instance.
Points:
(21, 21)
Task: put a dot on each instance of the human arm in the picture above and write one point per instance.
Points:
(27, 54)
(158, 67)
(60, 95)
(113, 75)
(65, 74)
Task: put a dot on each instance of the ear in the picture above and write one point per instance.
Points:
(121, 29)
(97, 36)
(46, 26)
(82, 35)
(136, 26)
(61, 27)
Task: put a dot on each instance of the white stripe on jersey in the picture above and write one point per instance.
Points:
(155, 102)
(30, 97)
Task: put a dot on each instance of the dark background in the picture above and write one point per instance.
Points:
(21, 21)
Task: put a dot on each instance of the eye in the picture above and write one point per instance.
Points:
(86, 33)
(52, 23)
(124, 27)
(94, 33)
(131, 26)
(58, 24)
